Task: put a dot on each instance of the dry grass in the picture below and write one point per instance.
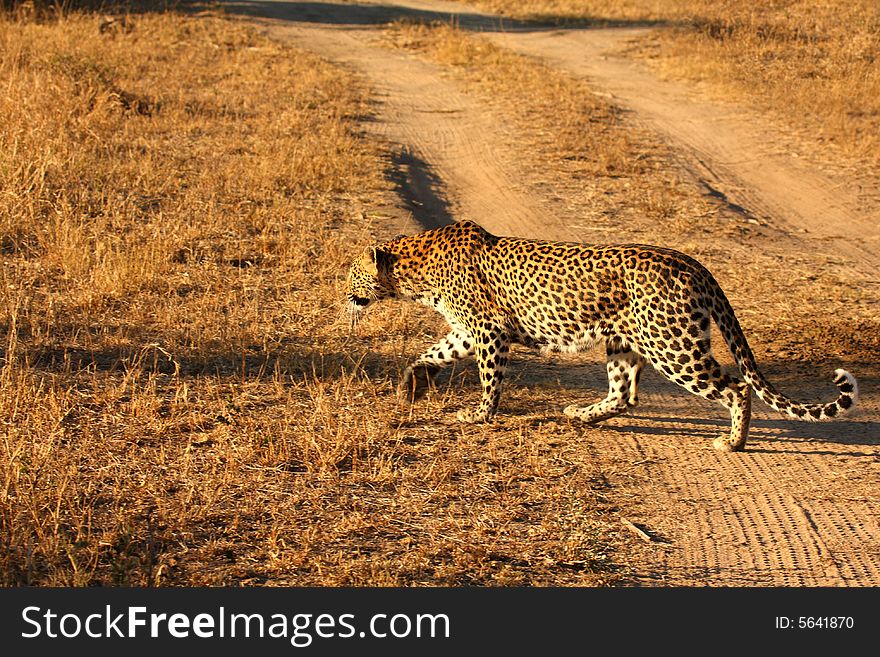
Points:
(815, 64)
(178, 200)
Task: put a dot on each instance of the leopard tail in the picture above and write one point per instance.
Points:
(731, 331)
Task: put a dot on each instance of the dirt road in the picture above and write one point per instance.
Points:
(800, 508)
(736, 153)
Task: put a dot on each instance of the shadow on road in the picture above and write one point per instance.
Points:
(420, 189)
(360, 15)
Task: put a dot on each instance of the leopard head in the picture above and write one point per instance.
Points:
(369, 279)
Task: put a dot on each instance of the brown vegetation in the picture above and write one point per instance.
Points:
(179, 404)
(561, 125)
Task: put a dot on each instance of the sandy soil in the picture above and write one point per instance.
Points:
(800, 507)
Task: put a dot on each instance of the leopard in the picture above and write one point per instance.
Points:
(647, 304)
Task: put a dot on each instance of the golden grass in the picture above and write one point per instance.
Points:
(813, 63)
(179, 404)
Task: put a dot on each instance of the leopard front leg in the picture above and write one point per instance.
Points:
(419, 376)
(624, 367)
(492, 349)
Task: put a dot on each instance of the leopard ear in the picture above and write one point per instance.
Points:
(378, 260)
(371, 261)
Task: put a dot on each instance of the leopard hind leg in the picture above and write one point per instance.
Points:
(702, 375)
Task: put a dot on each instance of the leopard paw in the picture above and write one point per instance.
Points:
(573, 411)
(471, 417)
(416, 382)
(722, 444)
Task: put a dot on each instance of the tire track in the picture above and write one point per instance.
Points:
(725, 146)
(761, 518)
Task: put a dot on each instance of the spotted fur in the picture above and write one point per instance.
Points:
(647, 304)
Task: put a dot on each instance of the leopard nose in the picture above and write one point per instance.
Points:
(360, 301)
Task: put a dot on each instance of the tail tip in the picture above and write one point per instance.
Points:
(847, 385)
